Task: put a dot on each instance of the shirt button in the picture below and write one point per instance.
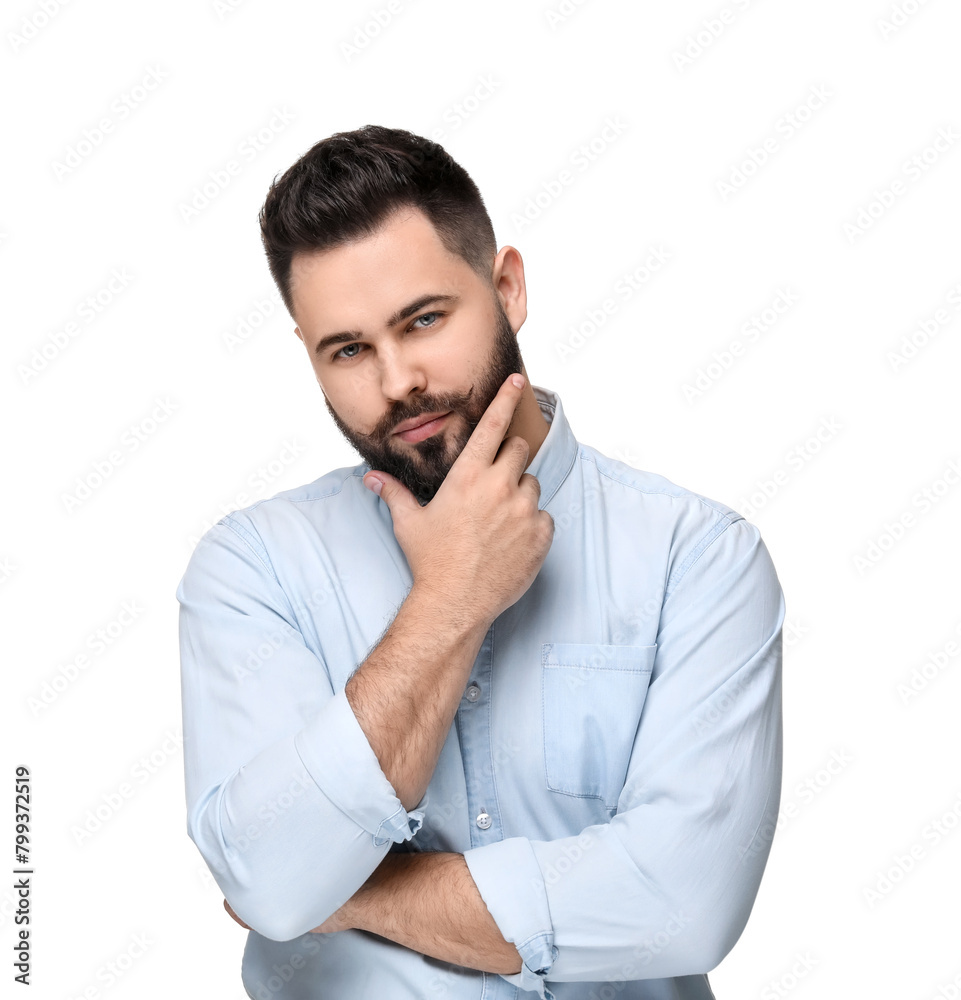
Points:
(483, 821)
(472, 693)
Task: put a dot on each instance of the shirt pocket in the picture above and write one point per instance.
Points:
(592, 700)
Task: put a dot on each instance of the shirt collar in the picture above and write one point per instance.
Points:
(555, 457)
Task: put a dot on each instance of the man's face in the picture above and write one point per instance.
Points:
(398, 329)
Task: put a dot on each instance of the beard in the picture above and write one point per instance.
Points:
(423, 465)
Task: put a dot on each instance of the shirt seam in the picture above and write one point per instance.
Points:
(706, 542)
(338, 488)
(725, 516)
(606, 670)
(713, 505)
(256, 545)
(718, 528)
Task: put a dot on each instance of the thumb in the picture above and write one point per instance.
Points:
(392, 491)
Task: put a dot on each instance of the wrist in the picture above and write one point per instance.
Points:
(361, 909)
(446, 613)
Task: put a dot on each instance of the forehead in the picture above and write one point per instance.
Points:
(368, 278)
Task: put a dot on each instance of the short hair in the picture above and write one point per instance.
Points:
(345, 186)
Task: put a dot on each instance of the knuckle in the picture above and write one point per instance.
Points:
(515, 446)
(520, 508)
(481, 439)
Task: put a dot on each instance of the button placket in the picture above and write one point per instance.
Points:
(473, 722)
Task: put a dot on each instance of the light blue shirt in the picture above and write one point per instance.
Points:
(612, 776)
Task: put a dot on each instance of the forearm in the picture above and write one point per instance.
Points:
(405, 694)
(428, 902)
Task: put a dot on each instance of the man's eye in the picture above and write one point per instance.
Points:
(432, 317)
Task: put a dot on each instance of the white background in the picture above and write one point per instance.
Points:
(513, 94)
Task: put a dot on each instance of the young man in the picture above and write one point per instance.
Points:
(489, 714)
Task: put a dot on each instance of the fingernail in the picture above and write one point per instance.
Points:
(375, 484)
(518, 380)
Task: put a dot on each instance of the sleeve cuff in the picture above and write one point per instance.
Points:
(511, 884)
(339, 758)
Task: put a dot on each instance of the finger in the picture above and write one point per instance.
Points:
(531, 483)
(391, 490)
(486, 438)
(513, 455)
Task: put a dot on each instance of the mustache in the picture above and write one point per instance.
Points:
(452, 401)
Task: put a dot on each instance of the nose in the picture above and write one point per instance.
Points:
(400, 373)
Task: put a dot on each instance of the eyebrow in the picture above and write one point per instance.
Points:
(405, 312)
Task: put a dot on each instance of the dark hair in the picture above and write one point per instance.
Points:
(345, 186)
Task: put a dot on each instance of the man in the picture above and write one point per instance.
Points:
(489, 714)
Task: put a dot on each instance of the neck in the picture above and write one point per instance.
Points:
(529, 423)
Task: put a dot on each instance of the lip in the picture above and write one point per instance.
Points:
(418, 428)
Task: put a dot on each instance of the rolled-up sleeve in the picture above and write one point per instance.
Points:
(523, 918)
(666, 887)
(286, 800)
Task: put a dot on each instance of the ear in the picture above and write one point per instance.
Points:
(510, 285)
(300, 336)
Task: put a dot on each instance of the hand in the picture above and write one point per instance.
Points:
(230, 910)
(337, 921)
(480, 542)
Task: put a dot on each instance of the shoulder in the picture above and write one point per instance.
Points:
(653, 491)
(334, 497)
(665, 515)
(327, 488)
